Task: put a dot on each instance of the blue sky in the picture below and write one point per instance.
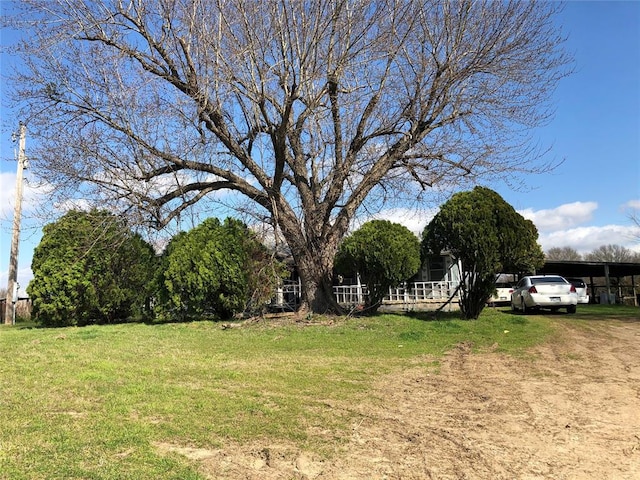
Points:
(596, 130)
(584, 203)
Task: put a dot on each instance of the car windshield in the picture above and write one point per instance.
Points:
(537, 280)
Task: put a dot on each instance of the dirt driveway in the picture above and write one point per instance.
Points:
(571, 411)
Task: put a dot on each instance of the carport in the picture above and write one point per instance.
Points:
(606, 270)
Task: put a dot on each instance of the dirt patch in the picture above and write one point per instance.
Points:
(571, 411)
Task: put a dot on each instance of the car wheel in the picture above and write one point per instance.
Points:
(513, 306)
(571, 309)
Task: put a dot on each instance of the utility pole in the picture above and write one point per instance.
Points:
(12, 284)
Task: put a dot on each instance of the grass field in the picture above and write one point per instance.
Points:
(94, 402)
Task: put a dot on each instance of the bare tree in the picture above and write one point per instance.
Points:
(307, 111)
(568, 254)
(635, 219)
(612, 253)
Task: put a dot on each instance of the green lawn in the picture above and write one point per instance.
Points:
(91, 403)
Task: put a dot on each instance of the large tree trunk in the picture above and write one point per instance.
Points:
(313, 242)
(313, 253)
(315, 267)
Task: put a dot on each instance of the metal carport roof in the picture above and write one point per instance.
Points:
(590, 269)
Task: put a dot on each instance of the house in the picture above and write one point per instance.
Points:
(22, 308)
(435, 283)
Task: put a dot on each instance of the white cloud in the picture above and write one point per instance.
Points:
(587, 239)
(74, 204)
(32, 195)
(559, 227)
(562, 217)
(632, 205)
(414, 219)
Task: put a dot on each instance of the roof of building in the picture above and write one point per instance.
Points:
(590, 269)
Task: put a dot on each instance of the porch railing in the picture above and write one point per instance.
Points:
(351, 295)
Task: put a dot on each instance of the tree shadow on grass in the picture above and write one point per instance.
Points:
(622, 313)
(432, 316)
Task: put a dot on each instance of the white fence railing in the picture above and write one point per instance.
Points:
(426, 291)
(351, 295)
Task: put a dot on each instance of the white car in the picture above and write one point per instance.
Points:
(581, 289)
(544, 291)
(502, 295)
